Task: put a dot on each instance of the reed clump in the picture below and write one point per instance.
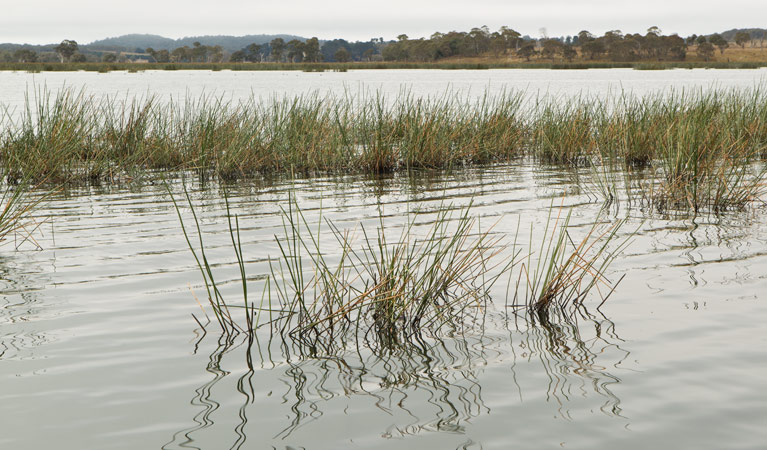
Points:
(73, 137)
(377, 291)
(563, 132)
(382, 290)
(705, 148)
(555, 280)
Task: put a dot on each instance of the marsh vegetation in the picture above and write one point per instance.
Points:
(706, 146)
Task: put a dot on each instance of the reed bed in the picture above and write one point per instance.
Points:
(388, 65)
(708, 144)
(382, 290)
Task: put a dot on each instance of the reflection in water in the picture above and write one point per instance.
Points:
(21, 308)
(202, 398)
(433, 385)
(572, 361)
(77, 310)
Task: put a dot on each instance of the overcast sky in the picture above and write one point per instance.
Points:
(48, 21)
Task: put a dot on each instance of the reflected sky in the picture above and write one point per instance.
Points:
(100, 349)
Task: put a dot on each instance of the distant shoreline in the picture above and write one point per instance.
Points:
(344, 67)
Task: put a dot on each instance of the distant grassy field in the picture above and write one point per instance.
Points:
(734, 54)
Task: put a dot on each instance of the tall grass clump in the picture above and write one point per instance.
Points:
(55, 138)
(705, 147)
(627, 133)
(555, 280)
(707, 154)
(69, 136)
(445, 132)
(330, 290)
(377, 292)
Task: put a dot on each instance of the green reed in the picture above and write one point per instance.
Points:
(707, 145)
(377, 291)
(563, 132)
(561, 274)
(330, 289)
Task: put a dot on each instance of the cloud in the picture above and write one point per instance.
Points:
(46, 21)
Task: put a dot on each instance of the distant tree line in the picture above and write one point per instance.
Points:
(613, 46)
(503, 43)
(337, 50)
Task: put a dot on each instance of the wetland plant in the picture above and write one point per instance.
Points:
(378, 291)
(556, 279)
(381, 291)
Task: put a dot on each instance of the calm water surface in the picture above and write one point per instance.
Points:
(470, 83)
(98, 348)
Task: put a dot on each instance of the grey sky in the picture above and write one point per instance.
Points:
(47, 21)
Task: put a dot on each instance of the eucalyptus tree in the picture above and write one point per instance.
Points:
(527, 50)
(253, 52)
(342, 55)
(24, 55)
(278, 48)
(741, 38)
(66, 49)
(295, 50)
(594, 48)
(511, 37)
(719, 41)
(312, 50)
(237, 57)
(551, 47)
(706, 51)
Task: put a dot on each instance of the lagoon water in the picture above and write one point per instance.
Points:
(235, 85)
(98, 347)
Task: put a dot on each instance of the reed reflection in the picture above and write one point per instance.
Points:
(430, 385)
(577, 356)
(22, 279)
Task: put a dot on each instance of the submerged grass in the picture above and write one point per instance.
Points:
(706, 144)
(383, 291)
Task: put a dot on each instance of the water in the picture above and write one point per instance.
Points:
(471, 83)
(98, 348)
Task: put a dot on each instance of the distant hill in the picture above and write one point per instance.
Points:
(133, 41)
(229, 43)
(755, 33)
(38, 48)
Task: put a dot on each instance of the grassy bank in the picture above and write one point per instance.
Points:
(703, 143)
(479, 64)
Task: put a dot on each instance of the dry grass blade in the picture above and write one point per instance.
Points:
(16, 209)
